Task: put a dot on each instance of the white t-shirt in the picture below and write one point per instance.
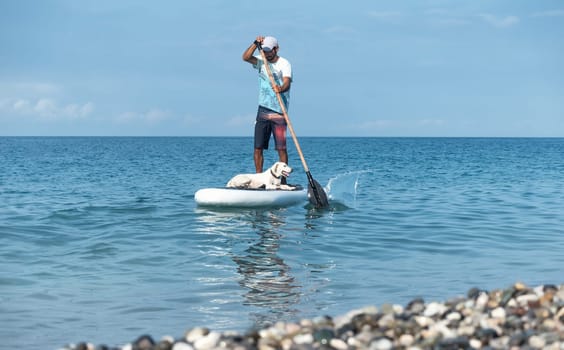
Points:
(267, 97)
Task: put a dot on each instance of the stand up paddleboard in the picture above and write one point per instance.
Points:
(247, 198)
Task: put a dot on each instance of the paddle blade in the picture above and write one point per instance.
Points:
(316, 194)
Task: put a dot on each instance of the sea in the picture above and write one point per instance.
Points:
(101, 239)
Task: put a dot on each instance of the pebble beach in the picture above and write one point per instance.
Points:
(517, 317)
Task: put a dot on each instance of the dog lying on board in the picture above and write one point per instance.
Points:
(271, 179)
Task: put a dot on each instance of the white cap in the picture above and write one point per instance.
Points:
(269, 43)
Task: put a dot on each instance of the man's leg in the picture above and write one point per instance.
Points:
(279, 131)
(283, 155)
(262, 137)
(259, 160)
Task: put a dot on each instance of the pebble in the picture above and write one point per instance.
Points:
(498, 312)
(144, 342)
(454, 316)
(338, 344)
(182, 346)
(406, 340)
(423, 321)
(303, 339)
(208, 341)
(536, 342)
(381, 344)
(434, 309)
(511, 318)
(196, 333)
(482, 301)
(475, 343)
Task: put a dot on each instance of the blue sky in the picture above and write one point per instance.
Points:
(361, 68)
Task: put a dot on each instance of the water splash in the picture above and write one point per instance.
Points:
(343, 188)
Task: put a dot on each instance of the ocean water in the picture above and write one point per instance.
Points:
(101, 241)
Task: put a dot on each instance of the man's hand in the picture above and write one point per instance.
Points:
(259, 39)
(277, 89)
(286, 82)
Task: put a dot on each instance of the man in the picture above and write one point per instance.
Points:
(270, 119)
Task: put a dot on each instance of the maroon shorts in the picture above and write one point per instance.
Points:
(268, 123)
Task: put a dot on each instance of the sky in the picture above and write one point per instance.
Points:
(412, 68)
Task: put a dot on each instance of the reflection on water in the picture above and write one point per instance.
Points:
(251, 238)
(264, 274)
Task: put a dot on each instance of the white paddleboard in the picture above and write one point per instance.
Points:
(244, 198)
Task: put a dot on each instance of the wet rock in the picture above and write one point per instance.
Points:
(416, 306)
(323, 336)
(144, 342)
(84, 346)
(453, 344)
(164, 344)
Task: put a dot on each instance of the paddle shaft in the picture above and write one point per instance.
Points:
(284, 112)
(317, 197)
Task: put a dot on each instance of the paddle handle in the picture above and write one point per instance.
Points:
(283, 107)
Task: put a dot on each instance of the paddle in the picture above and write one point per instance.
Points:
(316, 194)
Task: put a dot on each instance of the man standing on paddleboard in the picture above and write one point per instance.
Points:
(270, 119)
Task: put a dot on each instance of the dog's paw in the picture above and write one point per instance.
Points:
(287, 187)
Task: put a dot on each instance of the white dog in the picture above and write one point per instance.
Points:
(271, 179)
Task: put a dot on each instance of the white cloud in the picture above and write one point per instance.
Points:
(39, 101)
(21, 106)
(551, 13)
(79, 110)
(500, 22)
(44, 109)
(152, 117)
(155, 116)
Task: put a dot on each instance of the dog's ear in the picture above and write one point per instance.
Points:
(278, 168)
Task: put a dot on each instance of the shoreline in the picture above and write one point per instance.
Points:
(517, 317)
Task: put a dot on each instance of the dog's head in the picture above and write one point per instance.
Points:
(280, 169)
